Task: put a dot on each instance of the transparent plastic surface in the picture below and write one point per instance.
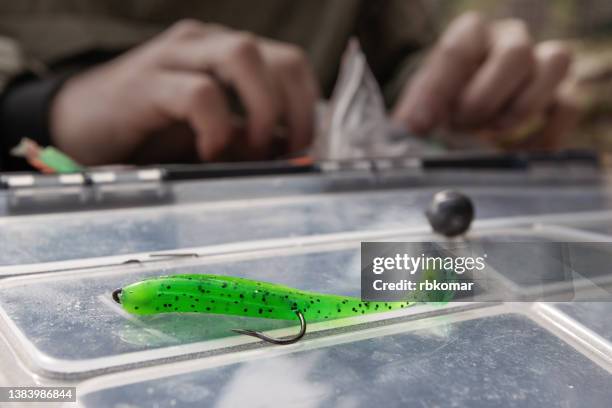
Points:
(63, 326)
(603, 226)
(69, 325)
(69, 236)
(504, 360)
(52, 238)
(593, 315)
(545, 259)
(74, 319)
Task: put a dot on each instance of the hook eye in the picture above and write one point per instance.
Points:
(116, 294)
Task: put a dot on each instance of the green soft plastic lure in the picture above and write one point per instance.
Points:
(242, 297)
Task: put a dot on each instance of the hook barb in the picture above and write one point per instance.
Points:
(282, 341)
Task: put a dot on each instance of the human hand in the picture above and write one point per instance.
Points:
(165, 99)
(484, 76)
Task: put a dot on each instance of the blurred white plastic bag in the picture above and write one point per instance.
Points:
(355, 124)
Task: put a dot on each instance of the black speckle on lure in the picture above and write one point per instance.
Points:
(241, 297)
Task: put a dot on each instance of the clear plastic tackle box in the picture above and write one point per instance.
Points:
(59, 326)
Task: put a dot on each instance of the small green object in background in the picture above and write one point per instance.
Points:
(437, 297)
(58, 161)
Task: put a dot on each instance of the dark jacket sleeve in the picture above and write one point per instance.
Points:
(26, 99)
(24, 112)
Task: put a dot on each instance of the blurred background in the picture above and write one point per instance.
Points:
(586, 25)
(56, 56)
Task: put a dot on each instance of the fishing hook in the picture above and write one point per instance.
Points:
(273, 340)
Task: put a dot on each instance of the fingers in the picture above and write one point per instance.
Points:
(240, 63)
(430, 97)
(198, 100)
(299, 91)
(273, 80)
(563, 117)
(235, 59)
(244, 67)
(508, 66)
(552, 62)
(177, 79)
(482, 76)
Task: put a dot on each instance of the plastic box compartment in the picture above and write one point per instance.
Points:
(67, 326)
(502, 359)
(75, 236)
(595, 316)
